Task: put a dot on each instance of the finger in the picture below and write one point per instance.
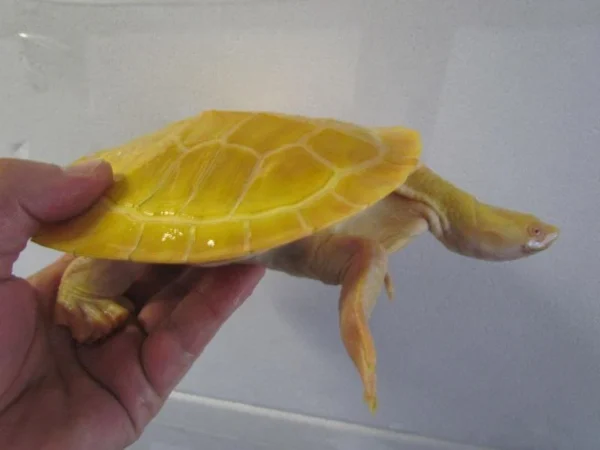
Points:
(130, 385)
(33, 192)
(170, 350)
(114, 364)
(163, 302)
(151, 281)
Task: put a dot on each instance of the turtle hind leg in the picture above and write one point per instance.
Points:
(362, 283)
(360, 266)
(91, 301)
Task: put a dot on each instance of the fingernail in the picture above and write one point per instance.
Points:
(84, 169)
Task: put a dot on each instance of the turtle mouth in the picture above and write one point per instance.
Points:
(536, 246)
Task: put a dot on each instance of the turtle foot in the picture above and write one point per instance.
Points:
(92, 319)
(359, 343)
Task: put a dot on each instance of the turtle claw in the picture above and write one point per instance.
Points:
(90, 320)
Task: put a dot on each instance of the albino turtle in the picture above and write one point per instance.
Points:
(311, 197)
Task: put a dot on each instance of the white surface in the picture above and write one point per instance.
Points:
(191, 422)
(507, 97)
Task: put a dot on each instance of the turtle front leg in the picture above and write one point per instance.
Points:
(91, 301)
(360, 266)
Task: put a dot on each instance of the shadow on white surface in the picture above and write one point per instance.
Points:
(191, 422)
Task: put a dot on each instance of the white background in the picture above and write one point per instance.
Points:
(507, 97)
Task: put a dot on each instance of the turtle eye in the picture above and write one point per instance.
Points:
(535, 231)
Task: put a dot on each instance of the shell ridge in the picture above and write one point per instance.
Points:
(303, 221)
(247, 185)
(197, 183)
(343, 199)
(174, 167)
(306, 147)
(235, 127)
(309, 148)
(199, 146)
(138, 240)
(273, 211)
(310, 134)
(241, 147)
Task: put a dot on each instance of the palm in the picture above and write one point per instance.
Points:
(119, 384)
(54, 387)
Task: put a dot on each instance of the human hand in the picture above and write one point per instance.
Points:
(57, 395)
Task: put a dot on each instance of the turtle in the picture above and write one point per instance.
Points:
(313, 197)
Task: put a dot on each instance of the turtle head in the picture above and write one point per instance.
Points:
(472, 228)
(499, 234)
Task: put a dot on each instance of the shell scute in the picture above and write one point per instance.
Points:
(268, 231)
(176, 189)
(268, 132)
(285, 178)
(165, 242)
(326, 209)
(208, 126)
(217, 192)
(214, 241)
(371, 182)
(86, 234)
(342, 149)
(139, 177)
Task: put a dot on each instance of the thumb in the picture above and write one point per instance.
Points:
(32, 193)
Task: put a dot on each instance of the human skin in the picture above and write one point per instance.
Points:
(55, 394)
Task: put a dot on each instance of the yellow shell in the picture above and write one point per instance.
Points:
(227, 184)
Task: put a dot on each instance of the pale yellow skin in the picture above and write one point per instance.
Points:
(314, 198)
